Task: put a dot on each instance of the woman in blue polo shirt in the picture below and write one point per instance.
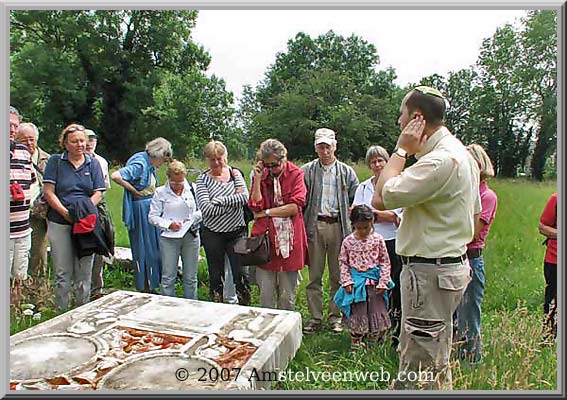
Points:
(139, 180)
(70, 178)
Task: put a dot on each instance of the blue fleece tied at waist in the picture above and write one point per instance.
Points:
(344, 300)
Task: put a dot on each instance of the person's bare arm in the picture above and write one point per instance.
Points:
(96, 197)
(287, 210)
(478, 226)
(548, 231)
(116, 177)
(256, 195)
(385, 216)
(393, 168)
(54, 202)
(411, 140)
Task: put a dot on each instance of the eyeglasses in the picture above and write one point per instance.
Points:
(74, 128)
(176, 183)
(273, 165)
(429, 90)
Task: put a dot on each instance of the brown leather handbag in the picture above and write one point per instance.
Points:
(254, 250)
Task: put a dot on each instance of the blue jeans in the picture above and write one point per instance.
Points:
(228, 290)
(468, 315)
(170, 249)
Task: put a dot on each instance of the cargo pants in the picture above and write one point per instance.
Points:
(430, 294)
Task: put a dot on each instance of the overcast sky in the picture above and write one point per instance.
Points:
(416, 43)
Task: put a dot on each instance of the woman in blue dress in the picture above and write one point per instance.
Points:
(139, 179)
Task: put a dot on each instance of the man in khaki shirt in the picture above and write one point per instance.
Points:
(439, 194)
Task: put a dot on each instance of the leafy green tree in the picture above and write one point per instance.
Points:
(110, 70)
(327, 81)
(504, 100)
(539, 73)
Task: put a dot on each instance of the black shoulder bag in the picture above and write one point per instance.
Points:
(254, 250)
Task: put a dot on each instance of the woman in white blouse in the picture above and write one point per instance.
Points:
(386, 224)
(174, 210)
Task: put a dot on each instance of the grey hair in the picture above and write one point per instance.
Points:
(271, 147)
(159, 148)
(14, 110)
(30, 125)
(376, 151)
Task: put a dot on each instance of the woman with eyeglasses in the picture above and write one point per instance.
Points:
(277, 198)
(386, 224)
(139, 180)
(71, 180)
(221, 196)
(174, 210)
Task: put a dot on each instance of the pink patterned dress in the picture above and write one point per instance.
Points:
(371, 316)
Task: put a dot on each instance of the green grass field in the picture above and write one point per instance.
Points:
(514, 357)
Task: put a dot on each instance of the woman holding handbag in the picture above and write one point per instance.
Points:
(277, 199)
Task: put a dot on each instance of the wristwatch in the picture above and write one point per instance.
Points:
(402, 153)
(267, 212)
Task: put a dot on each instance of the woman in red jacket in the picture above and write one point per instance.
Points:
(277, 198)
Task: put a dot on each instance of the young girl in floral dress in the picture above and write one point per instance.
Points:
(365, 277)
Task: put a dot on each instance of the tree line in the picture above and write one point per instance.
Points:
(132, 75)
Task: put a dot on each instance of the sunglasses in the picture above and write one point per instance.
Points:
(274, 165)
(74, 128)
(429, 90)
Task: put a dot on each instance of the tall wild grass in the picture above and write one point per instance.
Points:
(514, 356)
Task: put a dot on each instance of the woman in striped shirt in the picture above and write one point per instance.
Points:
(221, 196)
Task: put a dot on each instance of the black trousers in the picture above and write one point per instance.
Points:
(550, 294)
(216, 245)
(395, 298)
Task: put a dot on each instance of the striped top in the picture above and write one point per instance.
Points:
(222, 208)
(22, 172)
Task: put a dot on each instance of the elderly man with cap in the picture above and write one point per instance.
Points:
(22, 177)
(331, 186)
(28, 135)
(440, 197)
(96, 278)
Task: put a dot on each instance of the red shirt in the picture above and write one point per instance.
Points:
(549, 218)
(294, 191)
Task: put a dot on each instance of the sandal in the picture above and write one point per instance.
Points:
(357, 344)
(337, 326)
(312, 326)
(374, 340)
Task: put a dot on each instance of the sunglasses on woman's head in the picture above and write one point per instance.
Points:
(74, 128)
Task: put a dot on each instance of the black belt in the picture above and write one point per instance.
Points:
(442, 260)
(329, 220)
(474, 253)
